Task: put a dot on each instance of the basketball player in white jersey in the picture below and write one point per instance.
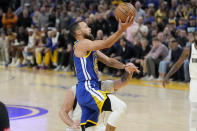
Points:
(191, 52)
(70, 112)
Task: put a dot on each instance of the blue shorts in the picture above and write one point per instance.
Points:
(91, 99)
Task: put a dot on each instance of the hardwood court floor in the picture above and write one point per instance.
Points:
(150, 108)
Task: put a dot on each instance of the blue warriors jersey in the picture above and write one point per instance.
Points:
(88, 93)
(86, 67)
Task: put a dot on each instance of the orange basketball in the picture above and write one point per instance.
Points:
(123, 11)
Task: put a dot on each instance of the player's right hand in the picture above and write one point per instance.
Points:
(75, 125)
(129, 21)
(130, 68)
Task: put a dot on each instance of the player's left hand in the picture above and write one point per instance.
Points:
(130, 68)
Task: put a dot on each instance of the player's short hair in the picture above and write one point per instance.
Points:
(74, 27)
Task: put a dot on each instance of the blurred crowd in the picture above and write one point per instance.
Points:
(35, 33)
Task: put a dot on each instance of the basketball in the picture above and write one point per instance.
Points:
(123, 11)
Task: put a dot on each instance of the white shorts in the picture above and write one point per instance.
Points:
(193, 91)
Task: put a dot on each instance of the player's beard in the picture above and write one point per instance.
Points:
(90, 36)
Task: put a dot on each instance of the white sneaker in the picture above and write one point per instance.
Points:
(145, 78)
(57, 68)
(159, 79)
(13, 62)
(18, 62)
(151, 78)
(67, 69)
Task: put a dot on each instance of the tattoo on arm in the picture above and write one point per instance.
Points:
(125, 77)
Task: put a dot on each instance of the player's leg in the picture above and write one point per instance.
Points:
(118, 109)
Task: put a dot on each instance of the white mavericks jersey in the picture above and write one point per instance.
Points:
(193, 63)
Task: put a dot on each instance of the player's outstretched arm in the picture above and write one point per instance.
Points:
(177, 65)
(88, 45)
(115, 85)
(111, 62)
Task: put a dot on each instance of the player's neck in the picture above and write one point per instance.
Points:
(79, 38)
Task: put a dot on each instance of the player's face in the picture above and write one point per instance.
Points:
(86, 31)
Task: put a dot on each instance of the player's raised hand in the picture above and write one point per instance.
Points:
(129, 21)
(130, 68)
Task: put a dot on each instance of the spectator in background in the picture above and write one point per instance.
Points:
(11, 42)
(187, 10)
(9, 20)
(153, 58)
(192, 26)
(142, 30)
(166, 35)
(140, 52)
(149, 16)
(113, 22)
(65, 19)
(182, 38)
(161, 38)
(62, 50)
(139, 10)
(101, 24)
(54, 50)
(28, 52)
(174, 4)
(172, 27)
(99, 35)
(4, 49)
(1, 15)
(176, 53)
(161, 15)
(20, 43)
(43, 18)
(171, 16)
(24, 19)
(145, 50)
(35, 19)
(182, 24)
(163, 65)
(125, 52)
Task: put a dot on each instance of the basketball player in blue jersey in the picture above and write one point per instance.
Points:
(90, 97)
(191, 52)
